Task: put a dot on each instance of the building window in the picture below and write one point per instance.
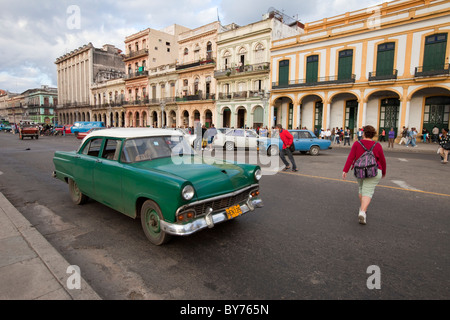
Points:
(345, 65)
(312, 68)
(435, 49)
(385, 59)
(283, 72)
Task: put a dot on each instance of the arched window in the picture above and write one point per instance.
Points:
(209, 51)
(259, 53)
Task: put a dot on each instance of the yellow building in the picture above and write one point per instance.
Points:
(385, 66)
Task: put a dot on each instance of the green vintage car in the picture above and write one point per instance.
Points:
(154, 174)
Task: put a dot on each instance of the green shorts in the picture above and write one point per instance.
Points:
(367, 186)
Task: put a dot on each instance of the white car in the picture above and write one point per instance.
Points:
(237, 138)
(190, 137)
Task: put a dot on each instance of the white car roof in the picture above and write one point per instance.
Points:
(132, 133)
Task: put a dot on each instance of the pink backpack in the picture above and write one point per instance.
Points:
(366, 165)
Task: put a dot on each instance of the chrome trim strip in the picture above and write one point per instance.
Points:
(201, 223)
(231, 194)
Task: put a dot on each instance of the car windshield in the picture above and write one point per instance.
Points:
(151, 148)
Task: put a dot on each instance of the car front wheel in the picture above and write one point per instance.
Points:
(314, 151)
(151, 218)
(77, 196)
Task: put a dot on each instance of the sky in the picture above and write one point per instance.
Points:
(34, 33)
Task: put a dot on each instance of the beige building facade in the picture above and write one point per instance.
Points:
(196, 93)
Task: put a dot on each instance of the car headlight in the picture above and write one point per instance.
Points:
(258, 174)
(188, 192)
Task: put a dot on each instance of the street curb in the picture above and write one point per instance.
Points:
(52, 259)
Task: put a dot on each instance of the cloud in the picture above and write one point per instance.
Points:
(35, 33)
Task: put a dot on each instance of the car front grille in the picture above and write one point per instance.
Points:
(221, 204)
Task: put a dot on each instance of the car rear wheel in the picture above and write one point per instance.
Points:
(151, 218)
(314, 151)
(273, 151)
(77, 196)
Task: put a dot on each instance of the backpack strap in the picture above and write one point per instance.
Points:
(371, 149)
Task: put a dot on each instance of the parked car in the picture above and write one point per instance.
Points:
(154, 174)
(83, 135)
(237, 138)
(85, 126)
(67, 128)
(304, 141)
(5, 127)
(28, 131)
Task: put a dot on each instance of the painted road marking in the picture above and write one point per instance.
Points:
(380, 185)
(402, 159)
(404, 185)
(1, 173)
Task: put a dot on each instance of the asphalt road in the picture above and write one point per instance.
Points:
(305, 243)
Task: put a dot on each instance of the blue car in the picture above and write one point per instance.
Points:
(304, 141)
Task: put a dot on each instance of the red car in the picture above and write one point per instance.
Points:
(66, 128)
(81, 135)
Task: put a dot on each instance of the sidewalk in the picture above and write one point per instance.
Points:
(30, 268)
(430, 148)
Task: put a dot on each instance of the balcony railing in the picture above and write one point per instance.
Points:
(138, 74)
(440, 70)
(196, 64)
(239, 70)
(135, 54)
(379, 76)
(196, 97)
(331, 80)
(241, 95)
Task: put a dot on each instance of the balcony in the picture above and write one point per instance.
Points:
(207, 62)
(442, 70)
(135, 54)
(331, 80)
(196, 97)
(241, 95)
(380, 76)
(135, 75)
(242, 70)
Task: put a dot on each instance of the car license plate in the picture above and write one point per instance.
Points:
(234, 212)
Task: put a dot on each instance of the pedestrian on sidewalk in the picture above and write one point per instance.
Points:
(391, 136)
(366, 185)
(383, 136)
(435, 136)
(444, 145)
(360, 134)
(412, 137)
(347, 137)
(404, 138)
(288, 140)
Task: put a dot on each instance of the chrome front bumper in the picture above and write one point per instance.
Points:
(208, 221)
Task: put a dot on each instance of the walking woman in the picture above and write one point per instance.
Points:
(391, 136)
(367, 185)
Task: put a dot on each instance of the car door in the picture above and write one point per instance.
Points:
(108, 175)
(239, 138)
(86, 160)
(251, 139)
(305, 141)
(296, 136)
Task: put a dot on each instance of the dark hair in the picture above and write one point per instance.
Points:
(279, 126)
(369, 132)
